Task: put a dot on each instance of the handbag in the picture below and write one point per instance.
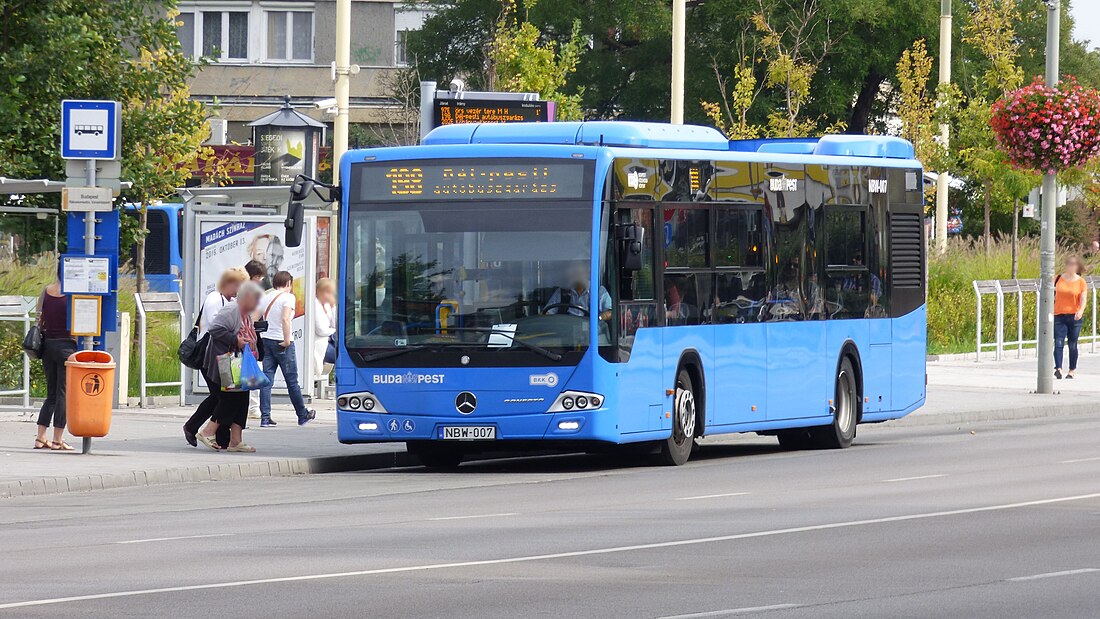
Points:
(229, 371)
(34, 343)
(192, 350)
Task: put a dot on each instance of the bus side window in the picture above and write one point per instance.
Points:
(741, 296)
(689, 298)
(848, 290)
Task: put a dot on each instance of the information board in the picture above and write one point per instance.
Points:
(455, 111)
(85, 275)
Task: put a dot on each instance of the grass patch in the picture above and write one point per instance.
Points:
(28, 279)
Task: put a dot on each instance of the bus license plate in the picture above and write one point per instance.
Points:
(468, 433)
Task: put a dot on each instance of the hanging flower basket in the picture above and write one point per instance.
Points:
(1048, 129)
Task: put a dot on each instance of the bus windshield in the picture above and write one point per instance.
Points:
(495, 278)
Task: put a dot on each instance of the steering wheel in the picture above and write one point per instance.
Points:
(566, 306)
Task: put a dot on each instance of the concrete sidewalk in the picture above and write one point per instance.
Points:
(147, 447)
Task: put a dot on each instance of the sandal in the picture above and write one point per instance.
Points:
(242, 448)
(62, 446)
(209, 441)
(41, 443)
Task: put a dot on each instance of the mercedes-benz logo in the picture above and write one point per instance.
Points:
(465, 402)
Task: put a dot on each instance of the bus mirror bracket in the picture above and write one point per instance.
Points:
(630, 238)
(300, 190)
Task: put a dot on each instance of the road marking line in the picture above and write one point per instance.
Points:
(470, 517)
(557, 555)
(168, 539)
(731, 611)
(1080, 460)
(889, 481)
(1086, 570)
(710, 496)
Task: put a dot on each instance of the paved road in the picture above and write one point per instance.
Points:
(993, 520)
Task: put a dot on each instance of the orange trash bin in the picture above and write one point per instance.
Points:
(90, 380)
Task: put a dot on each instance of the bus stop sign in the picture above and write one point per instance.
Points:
(90, 129)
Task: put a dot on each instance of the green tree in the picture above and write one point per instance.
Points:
(524, 61)
(989, 36)
(124, 50)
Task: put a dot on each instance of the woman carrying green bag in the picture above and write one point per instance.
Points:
(231, 332)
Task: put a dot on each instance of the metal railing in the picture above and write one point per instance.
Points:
(15, 308)
(157, 302)
(1021, 289)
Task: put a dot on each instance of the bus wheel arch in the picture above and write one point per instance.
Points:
(688, 395)
(847, 404)
(850, 351)
(692, 363)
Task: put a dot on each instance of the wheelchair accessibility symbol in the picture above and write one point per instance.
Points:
(409, 425)
(394, 425)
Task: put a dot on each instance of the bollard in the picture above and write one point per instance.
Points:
(90, 378)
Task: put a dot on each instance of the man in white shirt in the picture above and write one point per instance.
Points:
(278, 310)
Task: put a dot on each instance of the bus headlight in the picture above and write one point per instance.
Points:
(362, 402)
(576, 401)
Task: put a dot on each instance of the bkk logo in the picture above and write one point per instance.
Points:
(544, 380)
(408, 378)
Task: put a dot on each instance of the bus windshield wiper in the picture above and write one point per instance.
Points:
(378, 356)
(549, 354)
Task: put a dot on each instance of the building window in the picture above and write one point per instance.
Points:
(400, 55)
(289, 36)
(241, 31)
(225, 35)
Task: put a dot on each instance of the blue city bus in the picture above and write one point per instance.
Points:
(578, 286)
(163, 246)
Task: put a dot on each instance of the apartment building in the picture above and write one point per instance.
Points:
(262, 50)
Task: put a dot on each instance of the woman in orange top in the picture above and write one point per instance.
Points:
(1070, 296)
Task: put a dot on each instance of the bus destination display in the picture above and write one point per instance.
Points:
(451, 112)
(472, 180)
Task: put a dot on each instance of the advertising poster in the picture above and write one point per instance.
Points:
(280, 156)
(225, 244)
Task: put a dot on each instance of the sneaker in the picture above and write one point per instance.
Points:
(310, 416)
(268, 423)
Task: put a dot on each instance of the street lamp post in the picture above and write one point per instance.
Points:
(943, 180)
(679, 33)
(1045, 319)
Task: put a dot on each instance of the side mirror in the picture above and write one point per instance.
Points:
(295, 223)
(631, 237)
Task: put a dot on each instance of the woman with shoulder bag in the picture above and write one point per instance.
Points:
(226, 291)
(230, 331)
(58, 344)
(1070, 297)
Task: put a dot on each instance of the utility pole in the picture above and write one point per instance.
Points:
(943, 180)
(679, 33)
(1045, 319)
(342, 75)
(342, 70)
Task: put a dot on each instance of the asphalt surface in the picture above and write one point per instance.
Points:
(988, 520)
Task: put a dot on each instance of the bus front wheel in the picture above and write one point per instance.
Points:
(677, 448)
(840, 433)
(436, 456)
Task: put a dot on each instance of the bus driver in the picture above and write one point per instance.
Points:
(573, 300)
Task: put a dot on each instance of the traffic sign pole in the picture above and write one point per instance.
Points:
(89, 249)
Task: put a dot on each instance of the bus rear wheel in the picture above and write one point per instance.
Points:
(676, 450)
(840, 433)
(434, 455)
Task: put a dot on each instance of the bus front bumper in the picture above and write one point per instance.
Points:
(359, 427)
